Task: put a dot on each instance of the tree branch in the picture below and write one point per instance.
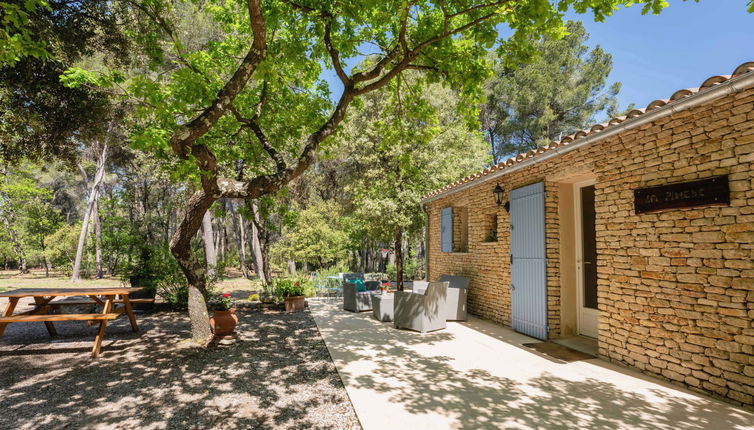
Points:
(187, 134)
(254, 126)
(473, 8)
(334, 54)
(413, 53)
(270, 183)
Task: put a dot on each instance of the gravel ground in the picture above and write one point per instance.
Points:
(277, 375)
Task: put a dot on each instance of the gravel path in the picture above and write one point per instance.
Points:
(278, 375)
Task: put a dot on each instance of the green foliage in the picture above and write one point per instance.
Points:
(412, 269)
(43, 119)
(287, 287)
(17, 39)
(317, 235)
(556, 94)
(196, 46)
(253, 297)
(405, 141)
(158, 271)
(220, 302)
(61, 246)
(27, 213)
(174, 292)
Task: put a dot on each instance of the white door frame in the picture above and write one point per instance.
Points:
(587, 318)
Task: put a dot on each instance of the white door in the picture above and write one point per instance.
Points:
(588, 312)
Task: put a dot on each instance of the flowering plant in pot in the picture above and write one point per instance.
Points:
(223, 320)
(292, 292)
(385, 288)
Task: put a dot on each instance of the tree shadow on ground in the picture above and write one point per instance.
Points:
(409, 371)
(277, 375)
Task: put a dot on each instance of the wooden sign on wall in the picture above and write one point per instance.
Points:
(706, 192)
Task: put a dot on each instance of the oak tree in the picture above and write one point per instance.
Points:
(244, 112)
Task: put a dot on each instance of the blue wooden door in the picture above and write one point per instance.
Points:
(528, 262)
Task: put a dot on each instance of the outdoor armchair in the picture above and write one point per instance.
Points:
(421, 312)
(355, 297)
(458, 287)
(455, 306)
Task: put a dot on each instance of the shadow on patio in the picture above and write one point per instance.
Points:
(468, 380)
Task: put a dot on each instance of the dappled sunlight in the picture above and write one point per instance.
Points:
(157, 379)
(485, 379)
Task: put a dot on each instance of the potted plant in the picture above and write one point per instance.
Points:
(267, 295)
(385, 288)
(224, 320)
(292, 292)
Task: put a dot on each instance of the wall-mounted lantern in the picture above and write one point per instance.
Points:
(498, 192)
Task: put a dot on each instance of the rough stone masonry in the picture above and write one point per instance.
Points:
(676, 288)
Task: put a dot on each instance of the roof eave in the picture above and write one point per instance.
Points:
(731, 86)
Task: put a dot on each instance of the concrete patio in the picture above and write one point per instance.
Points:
(478, 375)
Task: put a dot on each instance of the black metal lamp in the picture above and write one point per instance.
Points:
(498, 192)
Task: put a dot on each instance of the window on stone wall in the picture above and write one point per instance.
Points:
(490, 228)
(460, 229)
(454, 229)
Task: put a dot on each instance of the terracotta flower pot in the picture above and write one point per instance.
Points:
(223, 323)
(294, 303)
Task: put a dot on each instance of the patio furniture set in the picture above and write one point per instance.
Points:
(426, 307)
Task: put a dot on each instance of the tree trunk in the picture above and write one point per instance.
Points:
(399, 259)
(291, 267)
(98, 241)
(209, 246)
(194, 270)
(258, 255)
(363, 256)
(45, 261)
(242, 245)
(93, 196)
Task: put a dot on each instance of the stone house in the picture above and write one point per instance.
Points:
(638, 233)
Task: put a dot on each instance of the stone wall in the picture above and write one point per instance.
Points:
(676, 288)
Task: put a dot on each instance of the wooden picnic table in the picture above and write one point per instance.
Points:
(108, 298)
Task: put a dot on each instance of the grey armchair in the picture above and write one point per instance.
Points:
(355, 300)
(458, 291)
(421, 312)
(458, 287)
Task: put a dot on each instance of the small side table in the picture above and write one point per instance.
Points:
(382, 306)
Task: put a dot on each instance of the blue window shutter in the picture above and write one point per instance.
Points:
(446, 230)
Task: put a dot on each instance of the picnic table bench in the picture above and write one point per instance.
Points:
(114, 301)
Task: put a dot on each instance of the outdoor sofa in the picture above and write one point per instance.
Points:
(357, 294)
(421, 311)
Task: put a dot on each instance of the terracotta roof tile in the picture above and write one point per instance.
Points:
(712, 81)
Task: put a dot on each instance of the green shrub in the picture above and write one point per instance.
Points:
(158, 271)
(174, 293)
(254, 297)
(285, 287)
(60, 247)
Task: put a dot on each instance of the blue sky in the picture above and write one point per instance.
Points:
(655, 55)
